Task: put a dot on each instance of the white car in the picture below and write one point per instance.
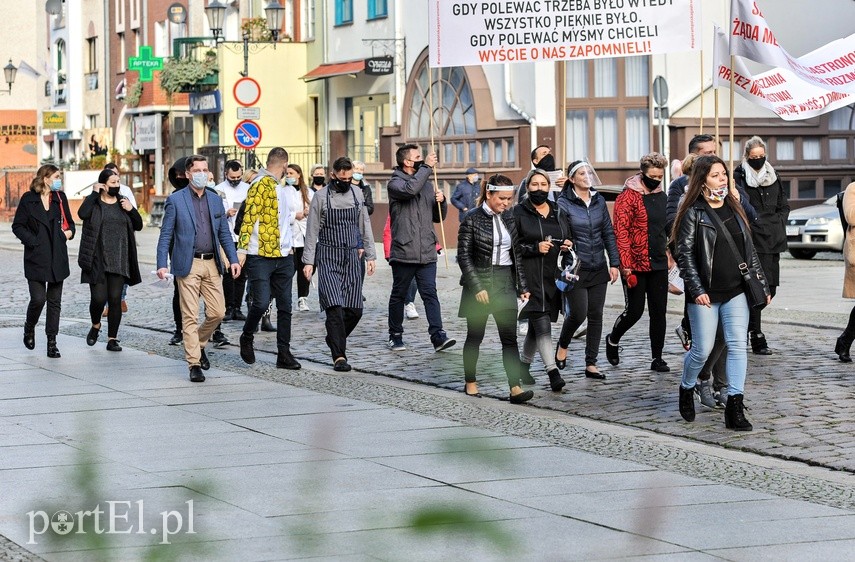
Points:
(814, 229)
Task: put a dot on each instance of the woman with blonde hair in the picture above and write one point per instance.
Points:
(43, 225)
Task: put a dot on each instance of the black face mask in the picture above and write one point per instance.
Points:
(547, 163)
(318, 180)
(757, 163)
(650, 183)
(113, 191)
(180, 183)
(417, 164)
(538, 197)
(341, 186)
(234, 183)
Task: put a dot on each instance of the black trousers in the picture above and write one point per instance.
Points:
(233, 290)
(585, 302)
(340, 322)
(302, 282)
(849, 332)
(41, 293)
(754, 315)
(109, 291)
(176, 305)
(652, 286)
(476, 326)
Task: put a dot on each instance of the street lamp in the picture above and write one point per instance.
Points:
(273, 14)
(9, 72)
(216, 12)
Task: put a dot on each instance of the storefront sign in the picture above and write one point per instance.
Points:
(145, 64)
(54, 119)
(145, 132)
(177, 13)
(205, 102)
(379, 66)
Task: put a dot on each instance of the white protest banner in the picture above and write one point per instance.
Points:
(779, 89)
(475, 33)
(831, 67)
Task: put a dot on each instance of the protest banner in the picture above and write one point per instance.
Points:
(831, 67)
(475, 33)
(778, 89)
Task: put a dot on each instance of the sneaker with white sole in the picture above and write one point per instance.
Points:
(522, 327)
(396, 343)
(704, 390)
(303, 304)
(410, 311)
(684, 338)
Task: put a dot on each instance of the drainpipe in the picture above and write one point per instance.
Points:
(517, 109)
(325, 146)
(108, 87)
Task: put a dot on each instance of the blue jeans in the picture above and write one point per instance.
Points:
(271, 278)
(734, 322)
(425, 276)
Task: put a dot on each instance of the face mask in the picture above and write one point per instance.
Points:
(290, 181)
(417, 164)
(113, 191)
(650, 183)
(757, 163)
(56, 185)
(211, 184)
(357, 176)
(341, 186)
(538, 197)
(318, 180)
(475, 179)
(547, 163)
(234, 183)
(180, 183)
(199, 179)
(718, 194)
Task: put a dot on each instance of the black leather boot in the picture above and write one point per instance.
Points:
(841, 348)
(29, 337)
(758, 344)
(687, 403)
(556, 383)
(52, 350)
(734, 414)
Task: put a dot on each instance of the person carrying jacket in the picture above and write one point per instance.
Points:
(593, 240)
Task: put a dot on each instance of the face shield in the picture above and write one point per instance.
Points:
(583, 175)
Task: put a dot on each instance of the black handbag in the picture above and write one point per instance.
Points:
(752, 279)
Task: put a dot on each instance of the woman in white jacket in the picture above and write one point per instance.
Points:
(301, 197)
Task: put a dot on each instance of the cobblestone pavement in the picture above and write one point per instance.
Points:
(800, 398)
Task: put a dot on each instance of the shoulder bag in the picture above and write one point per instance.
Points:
(752, 279)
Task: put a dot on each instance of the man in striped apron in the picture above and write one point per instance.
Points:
(338, 232)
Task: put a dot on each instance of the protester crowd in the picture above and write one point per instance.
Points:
(528, 254)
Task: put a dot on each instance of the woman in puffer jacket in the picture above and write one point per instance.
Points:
(490, 258)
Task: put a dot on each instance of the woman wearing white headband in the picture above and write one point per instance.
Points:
(489, 256)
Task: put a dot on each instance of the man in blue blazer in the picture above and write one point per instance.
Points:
(194, 235)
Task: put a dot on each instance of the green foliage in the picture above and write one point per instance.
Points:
(178, 74)
(95, 163)
(132, 99)
(256, 29)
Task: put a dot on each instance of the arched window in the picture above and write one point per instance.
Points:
(455, 115)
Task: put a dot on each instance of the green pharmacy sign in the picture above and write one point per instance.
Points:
(145, 64)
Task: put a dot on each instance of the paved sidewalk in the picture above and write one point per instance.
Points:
(800, 399)
(312, 463)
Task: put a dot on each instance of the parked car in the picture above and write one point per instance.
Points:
(814, 229)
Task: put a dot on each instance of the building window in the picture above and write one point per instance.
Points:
(842, 119)
(785, 149)
(377, 9)
(92, 54)
(608, 116)
(807, 189)
(831, 187)
(123, 57)
(307, 20)
(811, 149)
(838, 149)
(343, 12)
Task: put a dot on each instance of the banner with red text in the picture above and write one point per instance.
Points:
(831, 67)
(779, 89)
(474, 33)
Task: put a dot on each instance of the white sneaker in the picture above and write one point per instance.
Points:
(523, 327)
(302, 304)
(410, 311)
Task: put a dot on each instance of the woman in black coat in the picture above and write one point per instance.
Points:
(108, 253)
(769, 231)
(594, 238)
(43, 225)
(544, 234)
(488, 255)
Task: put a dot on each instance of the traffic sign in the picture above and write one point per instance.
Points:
(249, 113)
(248, 134)
(247, 91)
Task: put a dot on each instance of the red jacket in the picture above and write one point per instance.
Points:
(631, 225)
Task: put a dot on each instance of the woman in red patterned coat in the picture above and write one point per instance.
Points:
(642, 241)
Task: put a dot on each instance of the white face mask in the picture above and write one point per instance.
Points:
(718, 194)
(199, 179)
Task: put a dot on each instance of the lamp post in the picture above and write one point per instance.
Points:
(9, 72)
(273, 12)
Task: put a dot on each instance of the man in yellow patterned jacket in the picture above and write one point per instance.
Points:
(265, 243)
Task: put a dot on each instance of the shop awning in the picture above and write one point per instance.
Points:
(335, 69)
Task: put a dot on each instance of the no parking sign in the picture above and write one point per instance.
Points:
(247, 134)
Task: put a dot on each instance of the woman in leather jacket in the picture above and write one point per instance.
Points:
(489, 256)
(713, 281)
